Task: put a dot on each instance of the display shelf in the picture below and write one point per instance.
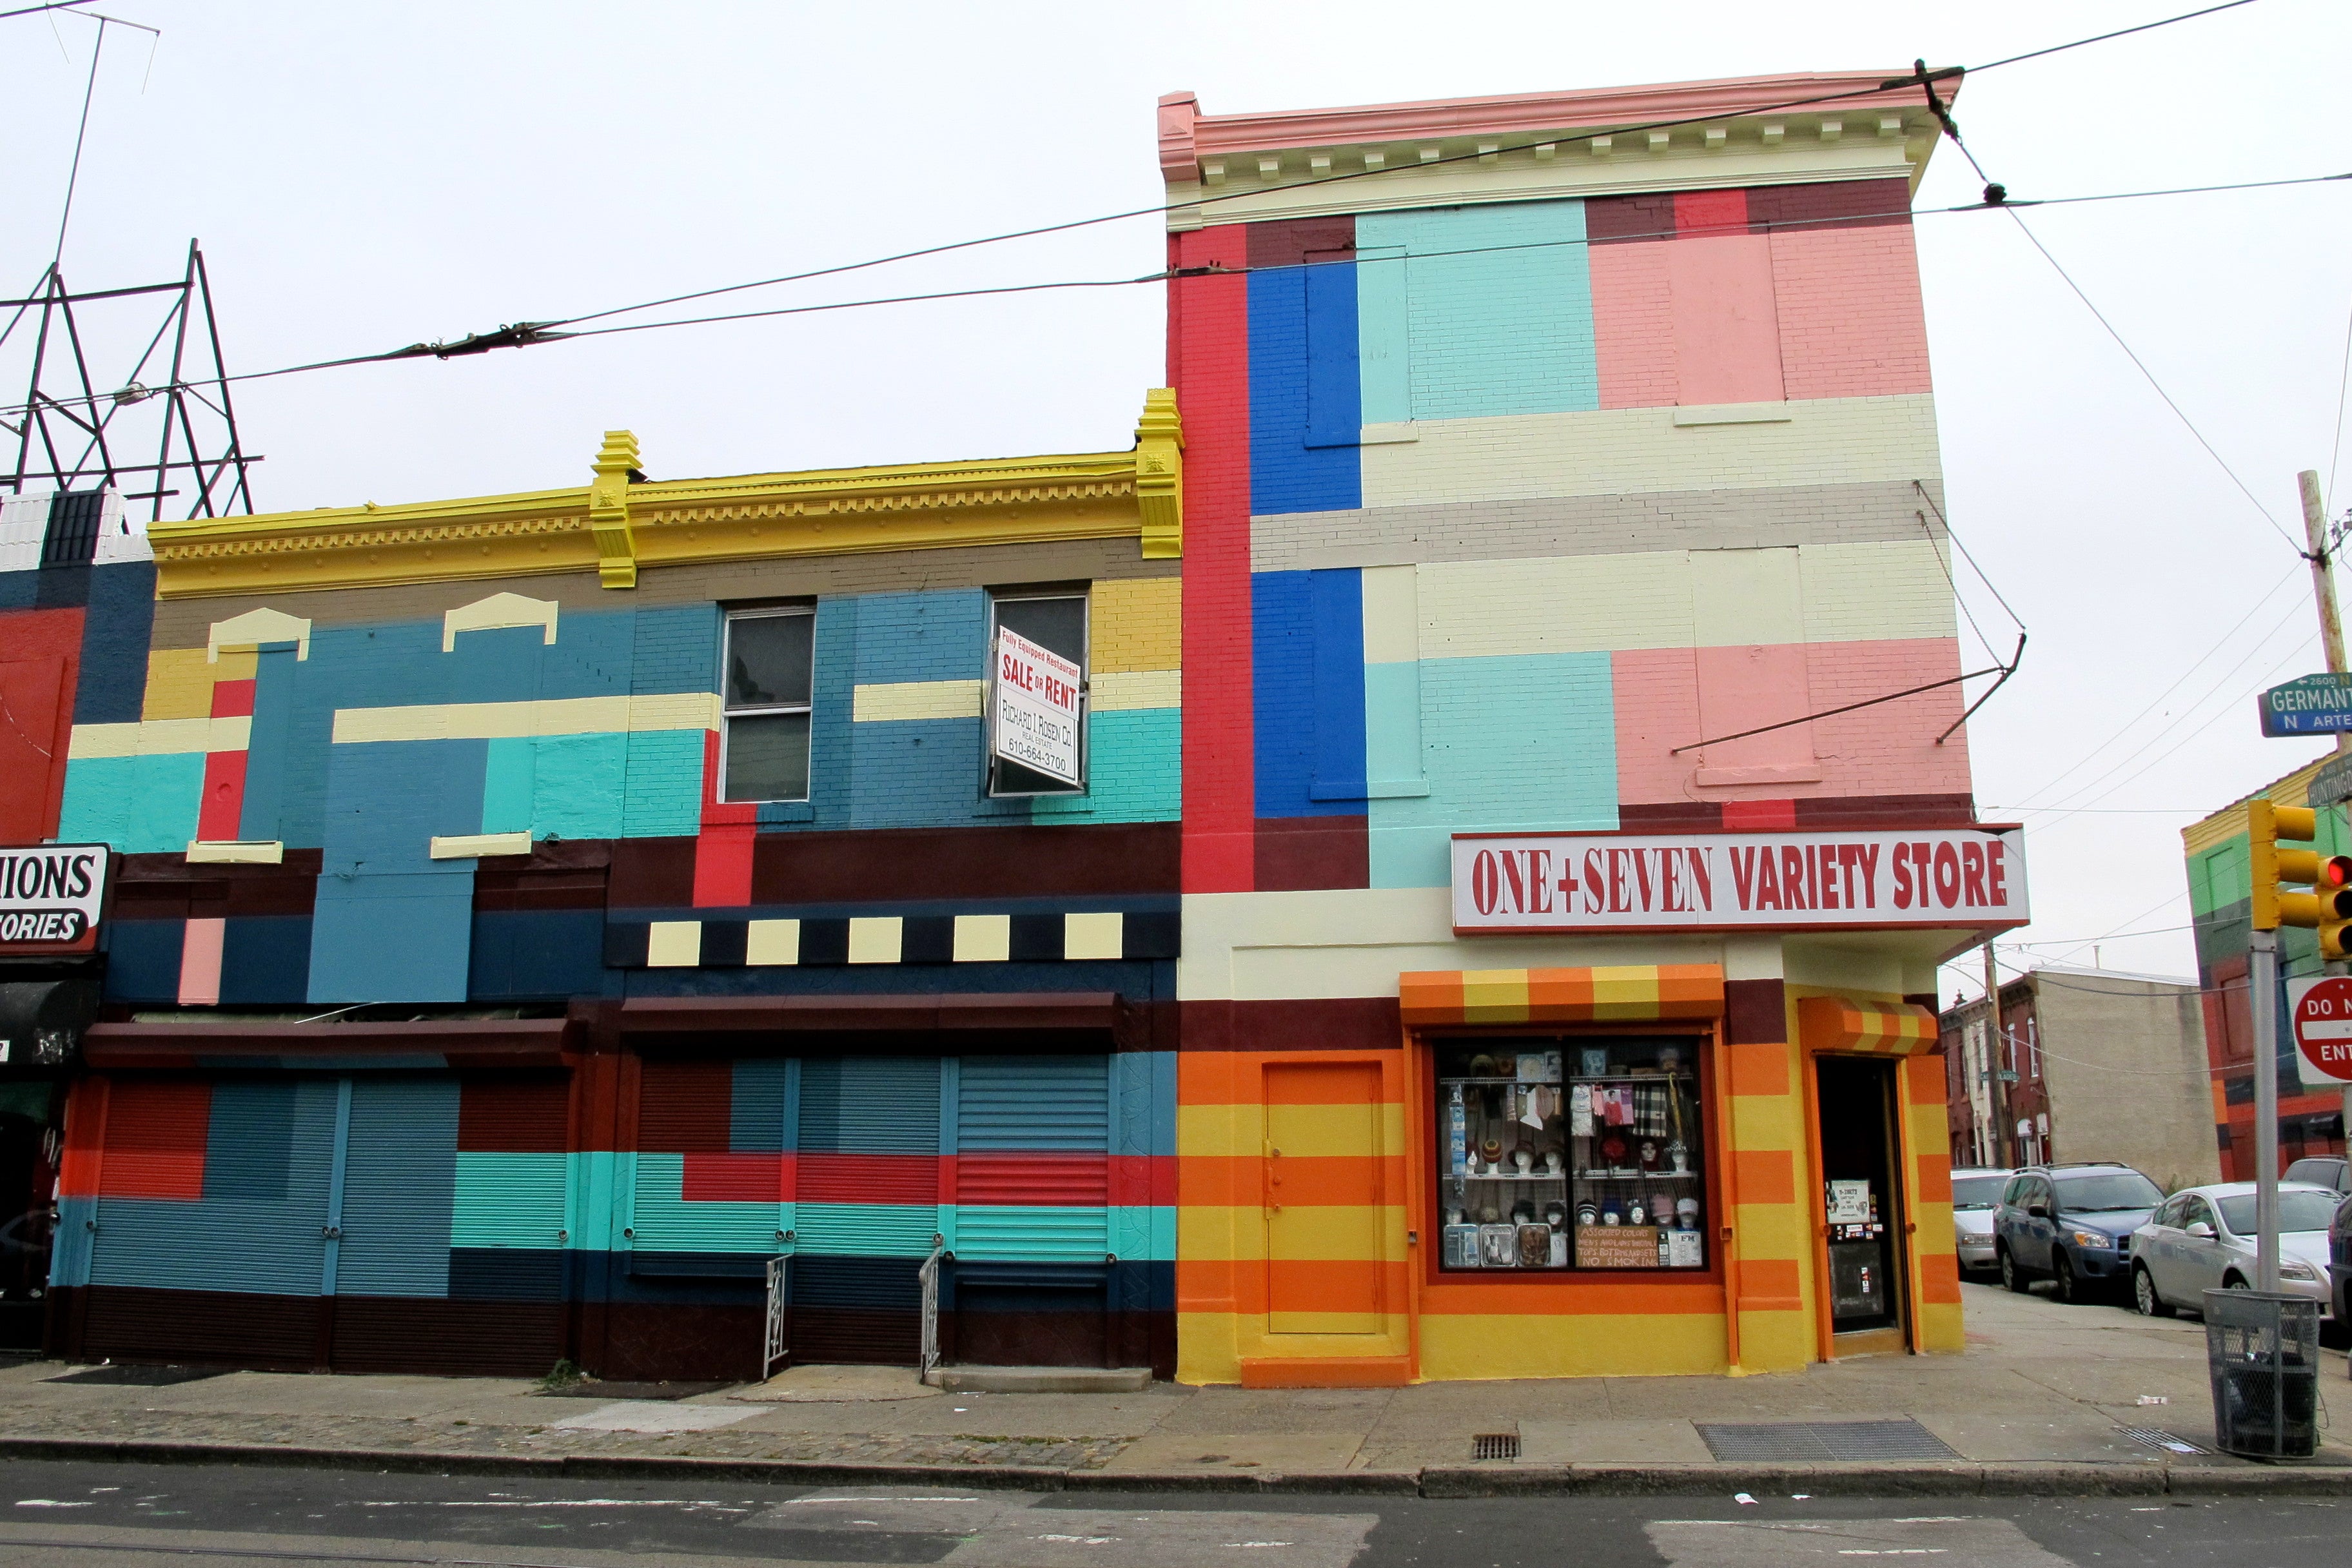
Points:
(1637, 1176)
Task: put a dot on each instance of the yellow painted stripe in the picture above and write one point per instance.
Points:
(891, 701)
(516, 720)
(1126, 690)
(1307, 1130)
(1238, 1234)
(1542, 1345)
(159, 738)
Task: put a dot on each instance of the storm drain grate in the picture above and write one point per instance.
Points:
(1823, 1441)
(1494, 1446)
(2165, 1440)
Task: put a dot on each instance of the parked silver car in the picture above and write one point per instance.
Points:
(2204, 1239)
(1976, 1194)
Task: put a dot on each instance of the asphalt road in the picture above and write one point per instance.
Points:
(75, 1515)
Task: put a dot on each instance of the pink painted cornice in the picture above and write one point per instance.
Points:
(1186, 135)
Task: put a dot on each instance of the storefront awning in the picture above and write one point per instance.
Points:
(1617, 994)
(1885, 1028)
(426, 1044)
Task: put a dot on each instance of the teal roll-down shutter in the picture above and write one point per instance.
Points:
(868, 1161)
(400, 1183)
(1033, 1166)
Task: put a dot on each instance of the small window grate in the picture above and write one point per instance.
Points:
(2165, 1440)
(1494, 1446)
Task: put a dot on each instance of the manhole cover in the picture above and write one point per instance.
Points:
(2165, 1440)
(1494, 1446)
(1823, 1441)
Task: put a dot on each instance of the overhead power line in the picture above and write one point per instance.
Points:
(525, 334)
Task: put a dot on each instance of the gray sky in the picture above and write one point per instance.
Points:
(366, 176)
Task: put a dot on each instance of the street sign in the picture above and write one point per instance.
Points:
(2331, 784)
(2321, 1011)
(2308, 705)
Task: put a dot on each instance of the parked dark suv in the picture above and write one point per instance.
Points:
(2071, 1224)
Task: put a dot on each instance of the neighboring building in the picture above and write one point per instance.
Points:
(534, 913)
(2108, 1066)
(1521, 463)
(2220, 888)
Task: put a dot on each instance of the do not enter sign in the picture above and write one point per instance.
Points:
(2321, 1012)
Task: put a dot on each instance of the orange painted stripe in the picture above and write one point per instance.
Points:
(1327, 1082)
(1934, 1178)
(1924, 1076)
(1355, 1179)
(1768, 1278)
(1760, 1069)
(1227, 1285)
(1434, 996)
(1238, 1078)
(1940, 1277)
(1765, 1176)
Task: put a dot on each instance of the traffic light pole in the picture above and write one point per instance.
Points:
(2261, 981)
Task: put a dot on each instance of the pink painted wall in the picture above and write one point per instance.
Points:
(1884, 750)
(1852, 324)
(1633, 324)
(1727, 331)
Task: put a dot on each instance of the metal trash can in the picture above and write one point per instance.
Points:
(2262, 1351)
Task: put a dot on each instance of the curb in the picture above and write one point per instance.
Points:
(1446, 1482)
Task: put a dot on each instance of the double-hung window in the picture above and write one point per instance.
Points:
(1055, 621)
(769, 679)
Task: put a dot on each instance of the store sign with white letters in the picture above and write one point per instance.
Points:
(1943, 877)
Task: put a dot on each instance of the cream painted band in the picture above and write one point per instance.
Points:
(515, 720)
(159, 738)
(1113, 691)
(256, 627)
(1894, 591)
(1591, 525)
(1631, 451)
(497, 612)
(1686, 163)
(471, 846)
(236, 852)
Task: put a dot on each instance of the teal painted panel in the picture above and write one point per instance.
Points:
(866, 1230)
(1384, 365)
(601, 1181)
(664, 1222)
(507, 786)
(1134, 770)
(580, 786)
(1392, 723)
(1496, 308)
(512, 1200)
(141, 806)
(869, 1105)
(662, 795)
(1032, 1104)
(1004, 1234)
(1515, 744)
(399, 1188)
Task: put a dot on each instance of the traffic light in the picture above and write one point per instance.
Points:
(2327, 908)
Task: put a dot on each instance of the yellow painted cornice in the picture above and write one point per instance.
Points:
(616, 524)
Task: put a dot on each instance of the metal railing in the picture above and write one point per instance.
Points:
(929, 1275)
(775, 1349)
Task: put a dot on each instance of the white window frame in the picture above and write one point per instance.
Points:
(727, 715)
(1084, 594)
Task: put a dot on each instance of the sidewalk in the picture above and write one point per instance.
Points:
(2035, 1404)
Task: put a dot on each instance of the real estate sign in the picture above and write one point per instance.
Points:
(1033, 716)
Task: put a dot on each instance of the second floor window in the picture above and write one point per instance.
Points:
(769, 676)
(1058, 623)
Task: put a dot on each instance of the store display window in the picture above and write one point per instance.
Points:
(1561, 1153)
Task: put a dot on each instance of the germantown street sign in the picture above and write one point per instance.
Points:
(2308, 705)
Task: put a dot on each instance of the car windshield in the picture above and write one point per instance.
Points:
(2297, 1211)
(1976, 1191)
(2117, 1190)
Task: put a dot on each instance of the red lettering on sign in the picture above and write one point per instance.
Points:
(1743, 876)
(1702, 878)
(1868, 855)
(1482, 881)
(1996, 872)
(1593, 879)
(1948, 875)
(1617, 891)
(1793, 878)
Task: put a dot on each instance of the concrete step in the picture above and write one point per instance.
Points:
(1040, 1379)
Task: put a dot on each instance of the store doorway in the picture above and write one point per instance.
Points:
(1861, 1203)
(1322, 1198)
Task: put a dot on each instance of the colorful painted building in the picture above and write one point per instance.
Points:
(2221, 894)
(1563, 468)
(1502, 944)
(533, 915)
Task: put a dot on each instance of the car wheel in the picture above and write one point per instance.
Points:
(2011, 1275)
(2143, 1296)
(2065, 1289)
(2237, 1282)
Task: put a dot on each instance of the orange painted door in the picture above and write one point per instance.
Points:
(1322, 1195)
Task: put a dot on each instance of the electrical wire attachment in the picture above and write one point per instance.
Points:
(512, 335)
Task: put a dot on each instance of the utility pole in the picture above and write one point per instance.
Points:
(1996, 1038)
(2331, 640)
